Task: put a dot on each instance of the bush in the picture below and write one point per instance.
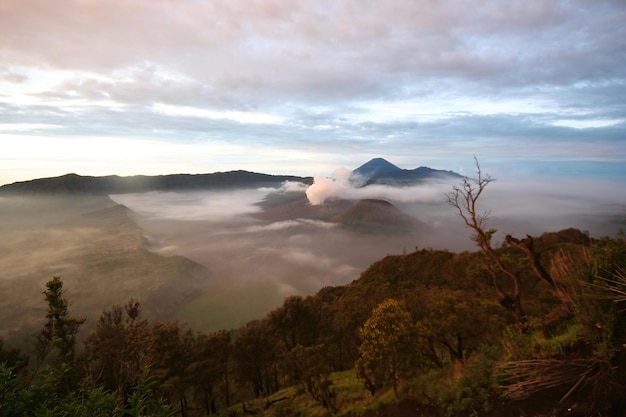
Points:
(476, 390)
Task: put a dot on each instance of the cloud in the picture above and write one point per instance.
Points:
(25, 127)
(341, 185)
(345, 47)
(266, 261)
(343, 80)
(588, 124)
(237, 116)
(288, 224)
(293, 186)
(193, 206)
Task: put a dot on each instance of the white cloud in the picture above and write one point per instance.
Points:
(237, 116)
(288, 224)
(309, 85)
(26, 127)
(210, 206)
(339, 186)
(587, 124)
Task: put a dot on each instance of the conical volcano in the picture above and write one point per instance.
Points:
(381, 171)
(376, 216)
(377, 167)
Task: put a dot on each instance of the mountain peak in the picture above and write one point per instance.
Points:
(376, 167)
(381, 171)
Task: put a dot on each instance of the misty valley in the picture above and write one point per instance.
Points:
(212, 259)
(224, 257)
(217, 259)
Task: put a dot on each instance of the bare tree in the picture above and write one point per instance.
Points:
(527, 246)
(463, 199)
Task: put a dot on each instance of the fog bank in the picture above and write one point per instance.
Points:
(259, 244)
(260, 262)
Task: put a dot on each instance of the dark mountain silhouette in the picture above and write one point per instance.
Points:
(376, 171)
(381, 171)
(301, 208)
(377, 167)
(113, 184)
(377, 216)
(367, 215)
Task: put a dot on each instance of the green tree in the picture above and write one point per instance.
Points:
(293, 323)
(58, 337)
(169, 352)
(60, 329)
(209, 371)
(115, 351)
(443, 316)
(254, 357)
(389, 347)
(314, 373)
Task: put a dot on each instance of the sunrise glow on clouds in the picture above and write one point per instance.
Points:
(295, 87)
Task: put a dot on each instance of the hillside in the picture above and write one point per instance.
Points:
(95, 245)
(428, 322)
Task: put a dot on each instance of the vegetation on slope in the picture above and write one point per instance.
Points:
(424, 329)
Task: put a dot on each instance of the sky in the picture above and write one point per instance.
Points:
(101, 87)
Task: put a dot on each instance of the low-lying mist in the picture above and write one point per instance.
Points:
(259, 262)
(514, 207)
(258, 245)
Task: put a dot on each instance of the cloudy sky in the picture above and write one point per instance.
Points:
(301, 87)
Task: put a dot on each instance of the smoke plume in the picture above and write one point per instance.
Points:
(342, 185)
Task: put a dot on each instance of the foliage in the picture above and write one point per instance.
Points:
(315, 374)
(10, 393)
(388, 349)
(582, 358)
(421, 326)
(209, 370)
(113, 352)
(255, 359)
(441, 316)
(13, 358)
(144, 402)
(476, 390)
(60, 330)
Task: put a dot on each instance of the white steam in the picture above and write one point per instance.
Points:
(341, 185)
(287, 187)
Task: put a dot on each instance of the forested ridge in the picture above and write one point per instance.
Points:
(73, 184)
(426, 328)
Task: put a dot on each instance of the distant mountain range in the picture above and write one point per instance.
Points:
(113, 184)
(381, 171)
(376, 171)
